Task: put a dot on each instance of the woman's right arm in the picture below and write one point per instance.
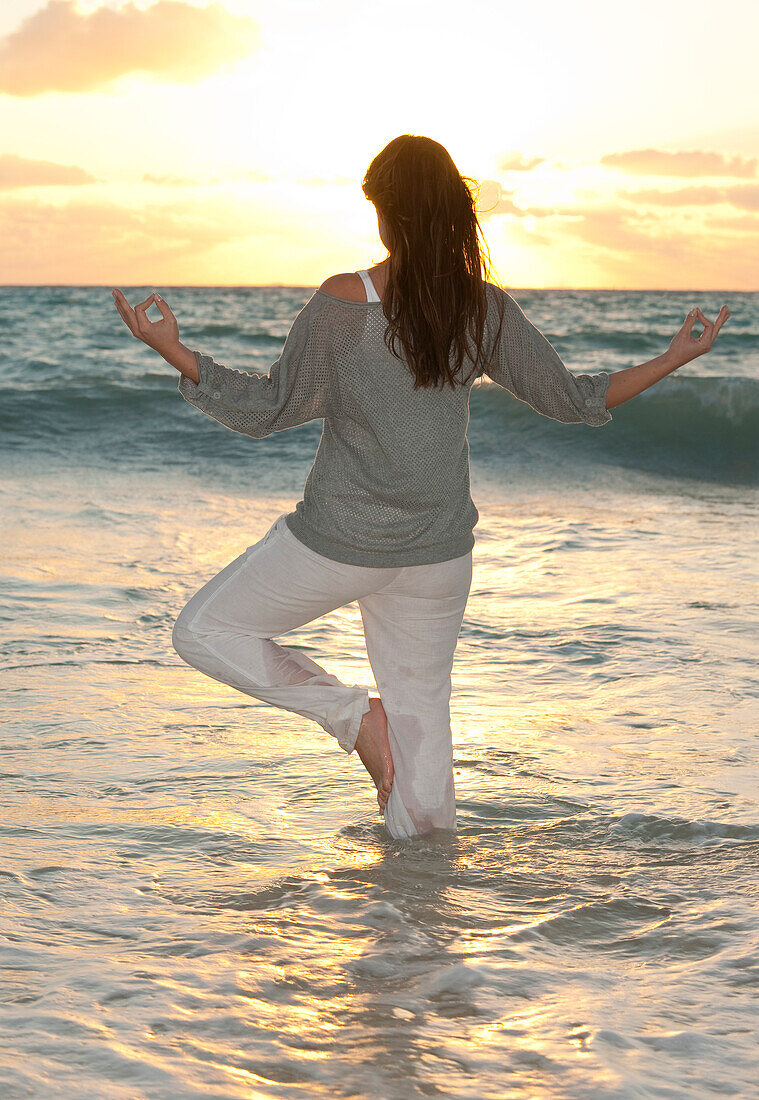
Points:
(301, 386)
(629, 382)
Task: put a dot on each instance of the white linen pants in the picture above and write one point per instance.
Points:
(411, 615)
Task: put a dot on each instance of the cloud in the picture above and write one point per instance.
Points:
(87, 240)
(739, 223)
(198, 240)
(169, 180)
(516, 162)
(61, 49)
(18, 171)
(493, 200)
(660, 162)
(618, 231)
(251, 175)
(744, 195)
(645, 248)
(621, 248)
(326, 181)
(686, 196)
(158, 227)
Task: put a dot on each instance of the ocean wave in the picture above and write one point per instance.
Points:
(264, 337)
(703, 427)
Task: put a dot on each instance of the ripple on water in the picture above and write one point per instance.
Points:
(652, 829)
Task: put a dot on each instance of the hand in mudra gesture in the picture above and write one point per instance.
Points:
(685, 346)
(162, 336)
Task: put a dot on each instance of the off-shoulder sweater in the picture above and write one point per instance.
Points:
(389, 485)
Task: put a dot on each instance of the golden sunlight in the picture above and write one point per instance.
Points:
(236, 156)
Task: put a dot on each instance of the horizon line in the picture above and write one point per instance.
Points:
(314, 286)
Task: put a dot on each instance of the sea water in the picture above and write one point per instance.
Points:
(198, 896)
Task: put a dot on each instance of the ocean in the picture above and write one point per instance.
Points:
(198, 897)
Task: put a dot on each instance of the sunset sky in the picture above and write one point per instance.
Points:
(175, 142)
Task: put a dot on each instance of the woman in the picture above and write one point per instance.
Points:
(386, 358)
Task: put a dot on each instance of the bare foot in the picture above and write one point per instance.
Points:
(373, 749)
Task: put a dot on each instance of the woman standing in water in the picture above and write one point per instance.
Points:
(386, 357)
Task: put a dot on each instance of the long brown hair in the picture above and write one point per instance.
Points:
(435, 295)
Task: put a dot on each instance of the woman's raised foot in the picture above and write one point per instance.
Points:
(373, 748)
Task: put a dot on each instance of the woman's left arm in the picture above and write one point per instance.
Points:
(684, 346)
(528, 365)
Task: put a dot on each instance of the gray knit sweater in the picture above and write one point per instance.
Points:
(389, 485)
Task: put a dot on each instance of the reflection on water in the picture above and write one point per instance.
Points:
(199, 899)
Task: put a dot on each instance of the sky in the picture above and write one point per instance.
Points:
(181, 142)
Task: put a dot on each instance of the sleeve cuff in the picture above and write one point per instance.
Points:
(192, 391)
(594, 411)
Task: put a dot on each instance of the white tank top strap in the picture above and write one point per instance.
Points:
(371, 293)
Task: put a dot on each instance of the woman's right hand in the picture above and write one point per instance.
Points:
(685, 346)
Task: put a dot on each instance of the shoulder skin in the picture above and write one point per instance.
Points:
(346, 285)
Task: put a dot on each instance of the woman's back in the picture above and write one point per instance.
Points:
(390, 481)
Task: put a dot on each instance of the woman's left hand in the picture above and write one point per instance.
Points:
(162, 336)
